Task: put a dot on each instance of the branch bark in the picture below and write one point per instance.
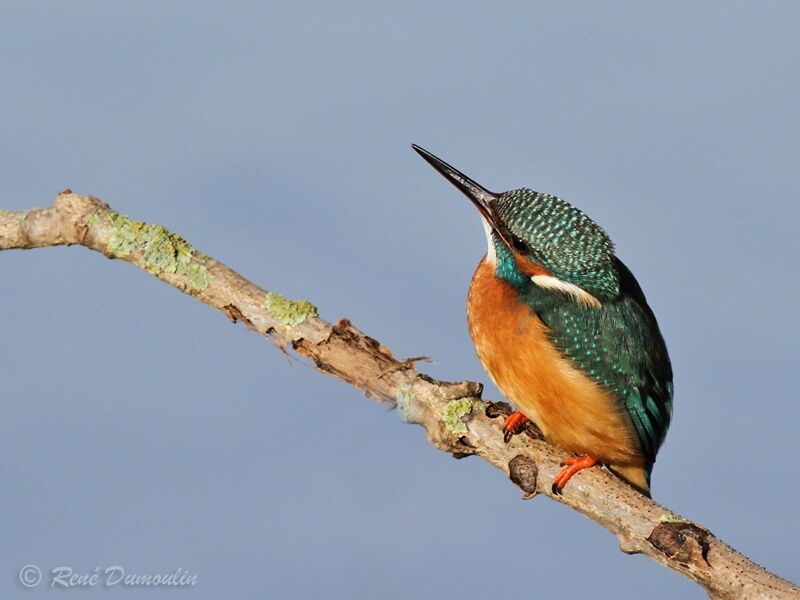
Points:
(453, 414)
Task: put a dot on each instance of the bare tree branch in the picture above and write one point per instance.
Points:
(455, 417)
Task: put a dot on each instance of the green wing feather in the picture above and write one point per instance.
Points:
(619, 345)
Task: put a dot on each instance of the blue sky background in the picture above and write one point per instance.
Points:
(142, 429)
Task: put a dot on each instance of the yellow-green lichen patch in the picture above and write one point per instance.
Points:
(405, 398)
(289, 312)
(670, 518)
(5, 212)
(456, 413)
(198, 275)
(161, 251)
(125, 235)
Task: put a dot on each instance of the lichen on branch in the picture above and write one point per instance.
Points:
(289, 312)
(159, 249)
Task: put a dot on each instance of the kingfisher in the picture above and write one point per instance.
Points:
(565, 332)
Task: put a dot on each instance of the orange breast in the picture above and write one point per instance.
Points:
(512, 343)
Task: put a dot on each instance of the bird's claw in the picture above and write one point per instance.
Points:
(513, 425)
(571, 466)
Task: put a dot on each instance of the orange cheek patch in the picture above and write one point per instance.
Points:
(528, 267)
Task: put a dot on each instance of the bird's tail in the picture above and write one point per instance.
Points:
(637, 476)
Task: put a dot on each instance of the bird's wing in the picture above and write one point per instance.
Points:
(620, 346)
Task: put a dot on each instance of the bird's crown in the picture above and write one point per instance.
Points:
(550, 232)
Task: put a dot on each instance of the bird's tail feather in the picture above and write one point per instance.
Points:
(637, 476)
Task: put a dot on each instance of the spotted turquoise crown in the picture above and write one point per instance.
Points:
(553, 233)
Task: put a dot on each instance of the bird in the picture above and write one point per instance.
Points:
(564, 330)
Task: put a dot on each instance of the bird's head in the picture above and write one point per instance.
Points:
(540, 239)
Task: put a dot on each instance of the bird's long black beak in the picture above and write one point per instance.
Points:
(479, 195)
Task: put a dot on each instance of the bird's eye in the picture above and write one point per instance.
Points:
(520, 245)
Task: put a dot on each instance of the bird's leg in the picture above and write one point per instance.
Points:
(513, 425)
(572, 466)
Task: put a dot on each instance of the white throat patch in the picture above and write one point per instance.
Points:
(580, 295)
(491, 254)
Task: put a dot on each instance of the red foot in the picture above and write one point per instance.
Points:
(572, 466)
(513, 425)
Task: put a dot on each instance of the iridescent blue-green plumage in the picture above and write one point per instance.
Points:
(618, 343)
(562, 239)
